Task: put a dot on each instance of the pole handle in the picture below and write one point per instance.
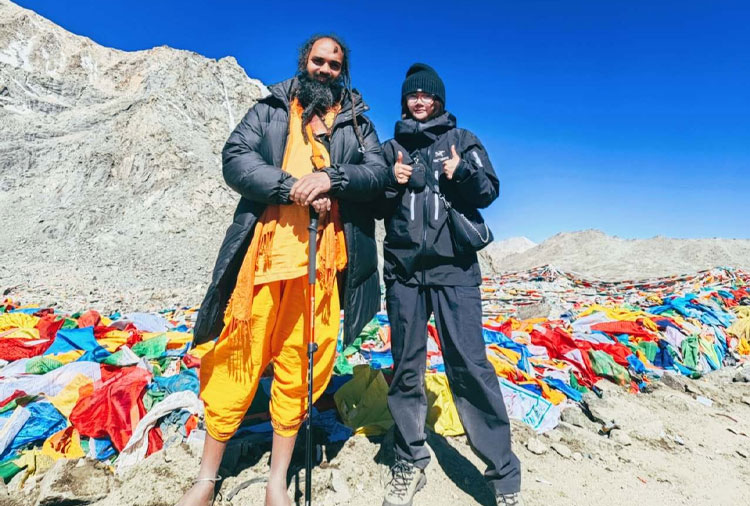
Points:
(312, 246)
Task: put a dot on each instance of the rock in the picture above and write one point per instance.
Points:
(520, 431)
(554, 436)
(577, 456)
(742, 376)
(693, 388)
(745, 400)
(564, 428)
(620, 437)
(31, 486)
(340, 487)
(16, 483)
(536, 447)
(674, 381)
(651, 430)
(575, 416)
(69, 483)
(538, 310)
(600, 409)
(562, 450)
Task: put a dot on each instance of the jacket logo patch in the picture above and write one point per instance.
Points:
(440, 160)
(476, 158)
(440, 153)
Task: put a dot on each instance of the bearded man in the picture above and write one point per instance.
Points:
(306, 145)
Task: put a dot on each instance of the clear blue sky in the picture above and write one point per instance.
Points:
(632, 117)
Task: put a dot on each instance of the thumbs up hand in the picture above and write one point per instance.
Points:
(401, 170)
(449, 166)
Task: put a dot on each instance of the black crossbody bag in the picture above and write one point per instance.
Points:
(469, 232)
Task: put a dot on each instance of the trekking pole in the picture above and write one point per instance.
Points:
(312, 346)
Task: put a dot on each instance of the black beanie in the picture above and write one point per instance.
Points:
(422, 77)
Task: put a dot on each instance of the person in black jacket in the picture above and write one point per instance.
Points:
(307, 144)
(430, 157)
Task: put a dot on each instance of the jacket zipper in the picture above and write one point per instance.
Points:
(436, 196)
(342, 216)
(425, 222)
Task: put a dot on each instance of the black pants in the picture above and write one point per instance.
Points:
(475, 387)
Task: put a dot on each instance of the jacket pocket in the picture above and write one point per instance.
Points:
(404, 229)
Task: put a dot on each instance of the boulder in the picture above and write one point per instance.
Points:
(73, 482)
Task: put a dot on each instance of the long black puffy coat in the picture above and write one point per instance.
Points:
(252, 158)
(418, 249)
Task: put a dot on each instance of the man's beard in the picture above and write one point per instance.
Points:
(316, 97)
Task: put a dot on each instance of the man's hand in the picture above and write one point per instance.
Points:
(308, 188)
(321, 205)
(449, 166)
(401, 171)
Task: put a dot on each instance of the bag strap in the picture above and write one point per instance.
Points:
(449, 207)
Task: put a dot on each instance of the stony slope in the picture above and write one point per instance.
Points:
(110, 171)
(491, 258)
(595, 254)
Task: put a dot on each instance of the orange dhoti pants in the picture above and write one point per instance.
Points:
(231, 371)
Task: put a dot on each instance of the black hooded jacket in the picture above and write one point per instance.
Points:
(418, 249)
(252, 158)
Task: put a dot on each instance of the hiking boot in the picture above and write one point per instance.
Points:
(406, 480)
(509, 499)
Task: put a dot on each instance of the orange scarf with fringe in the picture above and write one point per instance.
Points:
(331, 254)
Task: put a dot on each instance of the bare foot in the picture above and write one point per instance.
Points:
(200, 494)
(276, 493)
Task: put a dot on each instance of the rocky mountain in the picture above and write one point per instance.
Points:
(596, 254)
(110, 170)
(111, 193)
(491, 258)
